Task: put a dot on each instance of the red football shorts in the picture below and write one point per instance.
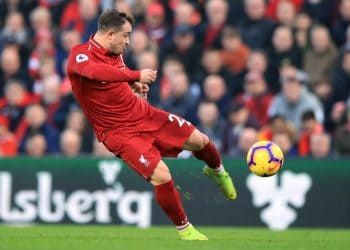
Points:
(142, 150)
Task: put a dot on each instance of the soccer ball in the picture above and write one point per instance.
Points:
(265, 158)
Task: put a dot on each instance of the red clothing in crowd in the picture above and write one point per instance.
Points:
(8, 143)
(304, 139)
(236, 61)
(273, 4)
(258, 106)
(71, 16)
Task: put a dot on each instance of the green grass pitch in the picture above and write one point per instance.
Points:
(58, 237)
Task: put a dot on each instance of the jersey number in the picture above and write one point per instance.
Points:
(180, 121)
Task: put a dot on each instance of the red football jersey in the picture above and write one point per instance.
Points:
(100, 84)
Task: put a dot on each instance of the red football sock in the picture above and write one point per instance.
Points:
(210, 155)
(169, 200)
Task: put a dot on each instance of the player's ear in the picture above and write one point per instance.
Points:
(111, 33)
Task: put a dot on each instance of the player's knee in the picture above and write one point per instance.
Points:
(160, 175)
(197, 141)
(202, 141)
(205, 140)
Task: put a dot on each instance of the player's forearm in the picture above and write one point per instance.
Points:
(108, 73)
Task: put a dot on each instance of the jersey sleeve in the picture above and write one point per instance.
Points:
(82, 65)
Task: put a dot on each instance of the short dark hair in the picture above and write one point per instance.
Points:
(113, 19)
(230, 32)
(308, 115)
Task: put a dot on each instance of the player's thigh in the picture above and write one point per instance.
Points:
(161, 174)
(172, 135)
(139, 154)
(196, 141)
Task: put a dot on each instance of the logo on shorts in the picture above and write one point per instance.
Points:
(144, 161)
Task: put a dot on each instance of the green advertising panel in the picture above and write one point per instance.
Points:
(306, 193)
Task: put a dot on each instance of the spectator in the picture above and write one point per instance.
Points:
(170, 67)
(47, 70)
(36, 145)
(25, 7)
(185, 14)
(8, 143)
(14, 29)
(341, 78)
(245, 140)
(342, 22)
(323, 89)
(321, 11)
(257, 62)
(276, 125)
(302, 27)
(184, 47)
(201, 56)
(310, 126)
(155, 25)
(182, 101)
(68, 39)
(294, 99)
(216, 12)
(286, 13)
(234, 53)
(70, 143)
(320, 146)
(286, 143)
(43, 52)
(34, 122)
(122, 6)
(212, 64)
(320, 57)
(139, 43)
(342, 137)
(239, 118)
(273, 5)
(10, 68)
(40, 19)
(214, 90)
(256, 97)
(51, 100)
(148, 60)
(210, 122)
(283, 51)
(256, 29)
(82, 16)
(77, 122)
(16, 99)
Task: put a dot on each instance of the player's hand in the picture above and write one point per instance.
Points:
(141, 89)
(148, 76)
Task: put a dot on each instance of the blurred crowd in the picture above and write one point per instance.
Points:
(240, 70)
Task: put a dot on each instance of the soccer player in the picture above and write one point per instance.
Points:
(113, 98)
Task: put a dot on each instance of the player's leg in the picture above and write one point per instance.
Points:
(205, 150)
(168, 198)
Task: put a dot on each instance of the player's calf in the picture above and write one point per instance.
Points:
(168, 197)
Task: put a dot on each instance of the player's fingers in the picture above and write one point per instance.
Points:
(145, 88)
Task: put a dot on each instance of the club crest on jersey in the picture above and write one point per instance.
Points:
(81, 58)
(144, 161)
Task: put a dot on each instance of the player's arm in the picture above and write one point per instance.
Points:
(103, 72)
(85, 67)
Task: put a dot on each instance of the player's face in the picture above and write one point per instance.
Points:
(119, 40)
